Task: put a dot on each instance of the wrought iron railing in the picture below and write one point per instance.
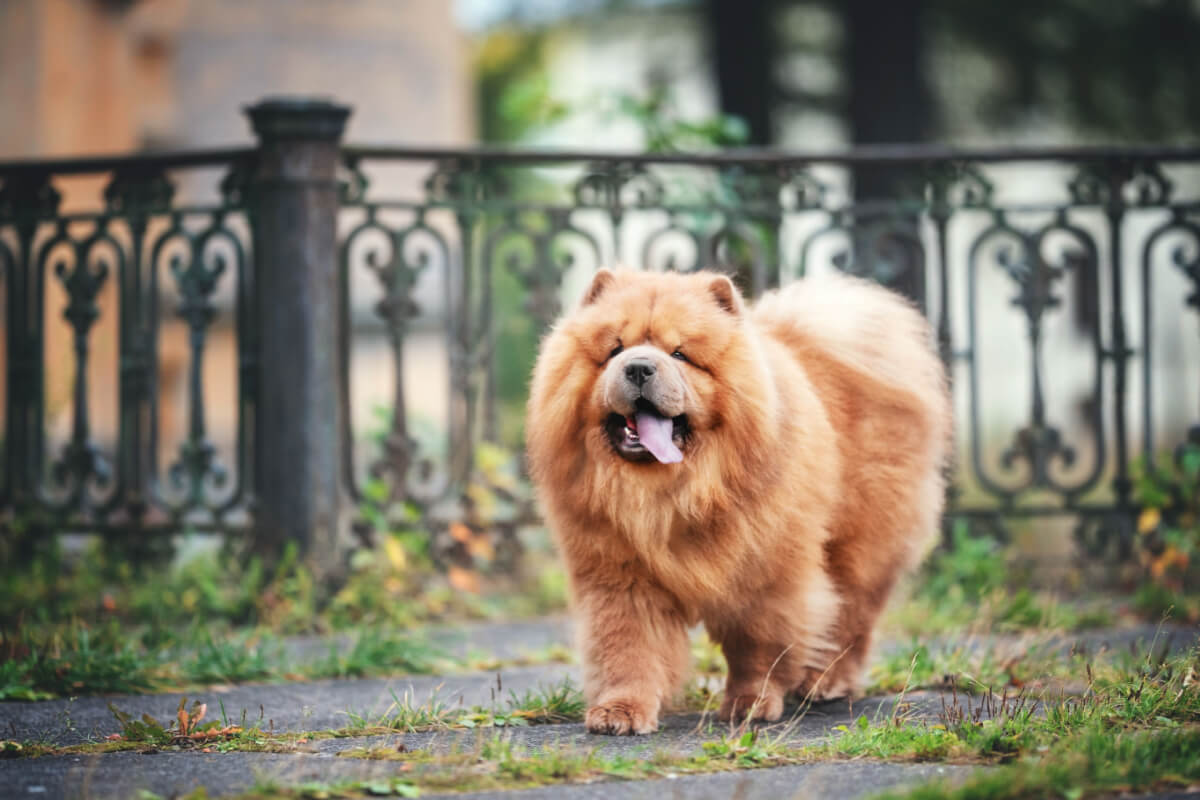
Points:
(1040, 237)
(137, 242)
(1063, 286)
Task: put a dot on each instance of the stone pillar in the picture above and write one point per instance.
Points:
(293, 203)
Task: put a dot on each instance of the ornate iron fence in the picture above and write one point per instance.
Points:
(1063, 285)
(1067, 243)
(137, 242)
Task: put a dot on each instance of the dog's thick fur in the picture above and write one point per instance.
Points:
(817, 427)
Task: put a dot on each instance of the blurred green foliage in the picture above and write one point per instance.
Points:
(515, 102)
(975, 582)
(665, 130)
(1168, 534)
(512, 85)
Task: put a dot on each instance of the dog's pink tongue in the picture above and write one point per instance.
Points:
(654, 432)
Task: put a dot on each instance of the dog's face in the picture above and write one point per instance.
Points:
(660, 346)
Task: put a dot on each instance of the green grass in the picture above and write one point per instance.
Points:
(1095, 763)
(379, 652)
(978, 666)
(561, 702)
(1004, 610)
(1134, 726)
(497, 763)
(235, 659)
(976, 585)
(385, 587)
(78, 660)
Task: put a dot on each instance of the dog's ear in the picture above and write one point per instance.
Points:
(726, 294)
(603, 280)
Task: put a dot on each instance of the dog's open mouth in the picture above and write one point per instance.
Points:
(648, 435)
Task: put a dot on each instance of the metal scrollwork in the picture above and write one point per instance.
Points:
(738, 247)
(81, 460)
(1023, 257)
(536, 251)
(1190, 267)
(26, 198)
(1124, 183)
(1147, 186)
(801, 191)
(353, 188)
(138, 193)
(399, 256)
(676, 247)
(197, 278)
(1184, 256)
(1090, 186)
(954, 184)
(462, 184)
(617, 186)
(235, 185)
(883, 249)
(752, 192)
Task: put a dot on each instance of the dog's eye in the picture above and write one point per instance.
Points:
(679, 355)
(616, 351)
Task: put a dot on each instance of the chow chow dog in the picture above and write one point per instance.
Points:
(767, 471)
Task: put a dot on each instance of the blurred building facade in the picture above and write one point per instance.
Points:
(95, 77)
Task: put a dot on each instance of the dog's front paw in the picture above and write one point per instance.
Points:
(622, 717)
(737, 707)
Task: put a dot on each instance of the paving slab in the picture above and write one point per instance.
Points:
(505, 641)
(848, 779)
(122, 775)
(285, 707)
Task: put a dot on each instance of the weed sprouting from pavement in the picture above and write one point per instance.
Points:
(236, 659)
(379, 652)
(561, 702)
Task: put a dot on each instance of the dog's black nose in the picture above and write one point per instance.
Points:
(639, 370)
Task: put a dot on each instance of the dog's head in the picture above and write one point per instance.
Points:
(656, 360)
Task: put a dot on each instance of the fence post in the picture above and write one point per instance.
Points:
(298, 425)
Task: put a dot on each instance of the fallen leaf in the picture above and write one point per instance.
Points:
(460, 532)
(481, 547)
(394, 551)
(463, 579)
